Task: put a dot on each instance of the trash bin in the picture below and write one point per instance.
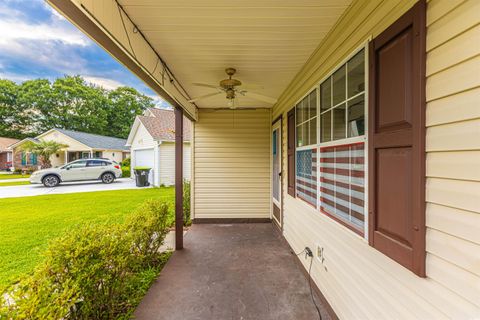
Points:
(141, 176)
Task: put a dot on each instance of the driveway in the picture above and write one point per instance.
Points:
(67, 187)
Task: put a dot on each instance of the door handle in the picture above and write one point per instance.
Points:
(280, 174)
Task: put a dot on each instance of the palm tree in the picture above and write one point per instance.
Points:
(43, 149)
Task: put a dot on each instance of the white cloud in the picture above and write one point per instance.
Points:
(105, 83)
(13, 30)
(14, 77)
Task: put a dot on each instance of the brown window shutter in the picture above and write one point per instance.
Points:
(291, 151)
(397, 141)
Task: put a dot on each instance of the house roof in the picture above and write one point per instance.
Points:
(19, 142)
(5, 142)
(95, 141)
(161, 125)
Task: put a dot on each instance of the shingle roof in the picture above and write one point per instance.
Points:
(5, 142)
(162, 125)
(96, 141)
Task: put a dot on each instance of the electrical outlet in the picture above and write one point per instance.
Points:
(320, 253)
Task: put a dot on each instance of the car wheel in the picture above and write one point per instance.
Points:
(51, 181)
(108, 178)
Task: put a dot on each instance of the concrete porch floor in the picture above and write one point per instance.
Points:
(231, 271)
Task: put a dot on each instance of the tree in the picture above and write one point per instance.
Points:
(125, 104)
(44, 150)
(36, 106)
(13, 119)
(79, 106)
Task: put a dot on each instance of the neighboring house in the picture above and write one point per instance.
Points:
(151, 142)
(370, 155)
(6, 155)
(80, 145)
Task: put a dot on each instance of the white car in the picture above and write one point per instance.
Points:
(85, 169)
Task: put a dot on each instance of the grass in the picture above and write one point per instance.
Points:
(8, 176)
(27, 224)
(13, 183)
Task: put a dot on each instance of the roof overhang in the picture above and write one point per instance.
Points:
(16, 144)
(103, 22)
(133, 131)
(172, 44)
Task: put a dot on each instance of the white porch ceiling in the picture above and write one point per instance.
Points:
(267, 41)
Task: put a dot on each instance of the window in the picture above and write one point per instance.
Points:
(342, 146)
(78, 164)
(330, 169)
(96, 163)
(342, 101)
(98, 154)
(306, 157)
(306, 120)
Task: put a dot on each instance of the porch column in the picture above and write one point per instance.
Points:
(178, 179)
(66, 157)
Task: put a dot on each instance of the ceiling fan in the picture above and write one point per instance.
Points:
(232, 88)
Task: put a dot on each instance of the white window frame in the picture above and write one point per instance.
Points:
(364, 138)
(317, 117)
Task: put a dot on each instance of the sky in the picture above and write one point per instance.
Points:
(37, 42)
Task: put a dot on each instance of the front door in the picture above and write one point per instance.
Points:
(277, 172)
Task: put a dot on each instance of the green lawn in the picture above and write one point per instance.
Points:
(13, 176)
(27, 224)
(13, 183)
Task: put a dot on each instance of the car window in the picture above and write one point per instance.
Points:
(78, 164)
(96, 163)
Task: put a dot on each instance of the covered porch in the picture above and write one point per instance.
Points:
(232, 271)
(349, 125)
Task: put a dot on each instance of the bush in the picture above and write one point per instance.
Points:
(186, 203)
(96, 271)
(126, 162)
(148, 227)
(126, 172)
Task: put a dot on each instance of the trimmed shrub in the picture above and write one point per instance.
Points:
(186, 203)
(95, 271)
(126, 162)
(126, 172)
(148, 227)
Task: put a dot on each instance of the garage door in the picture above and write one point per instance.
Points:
(145, 158)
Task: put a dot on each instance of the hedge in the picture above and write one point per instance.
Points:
(95, 271)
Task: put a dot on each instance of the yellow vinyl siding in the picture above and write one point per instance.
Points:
(453, 147)
(357, 280)
(232, 164)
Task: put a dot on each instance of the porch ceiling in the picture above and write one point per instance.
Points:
(267, 41)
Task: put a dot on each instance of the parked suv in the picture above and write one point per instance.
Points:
(85, 169)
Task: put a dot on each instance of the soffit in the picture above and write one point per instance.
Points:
(267, 41)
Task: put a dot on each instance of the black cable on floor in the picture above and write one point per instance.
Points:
(311, 291)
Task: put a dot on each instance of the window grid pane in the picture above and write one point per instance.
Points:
(306, 176)
(306, 120)
(343, 90)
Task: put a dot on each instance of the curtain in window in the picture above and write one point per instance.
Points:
(342, 183)
(306, 179)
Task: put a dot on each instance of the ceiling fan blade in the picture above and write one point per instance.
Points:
(206, 85)
(205, 96)
(260, 97)
(251, 86)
